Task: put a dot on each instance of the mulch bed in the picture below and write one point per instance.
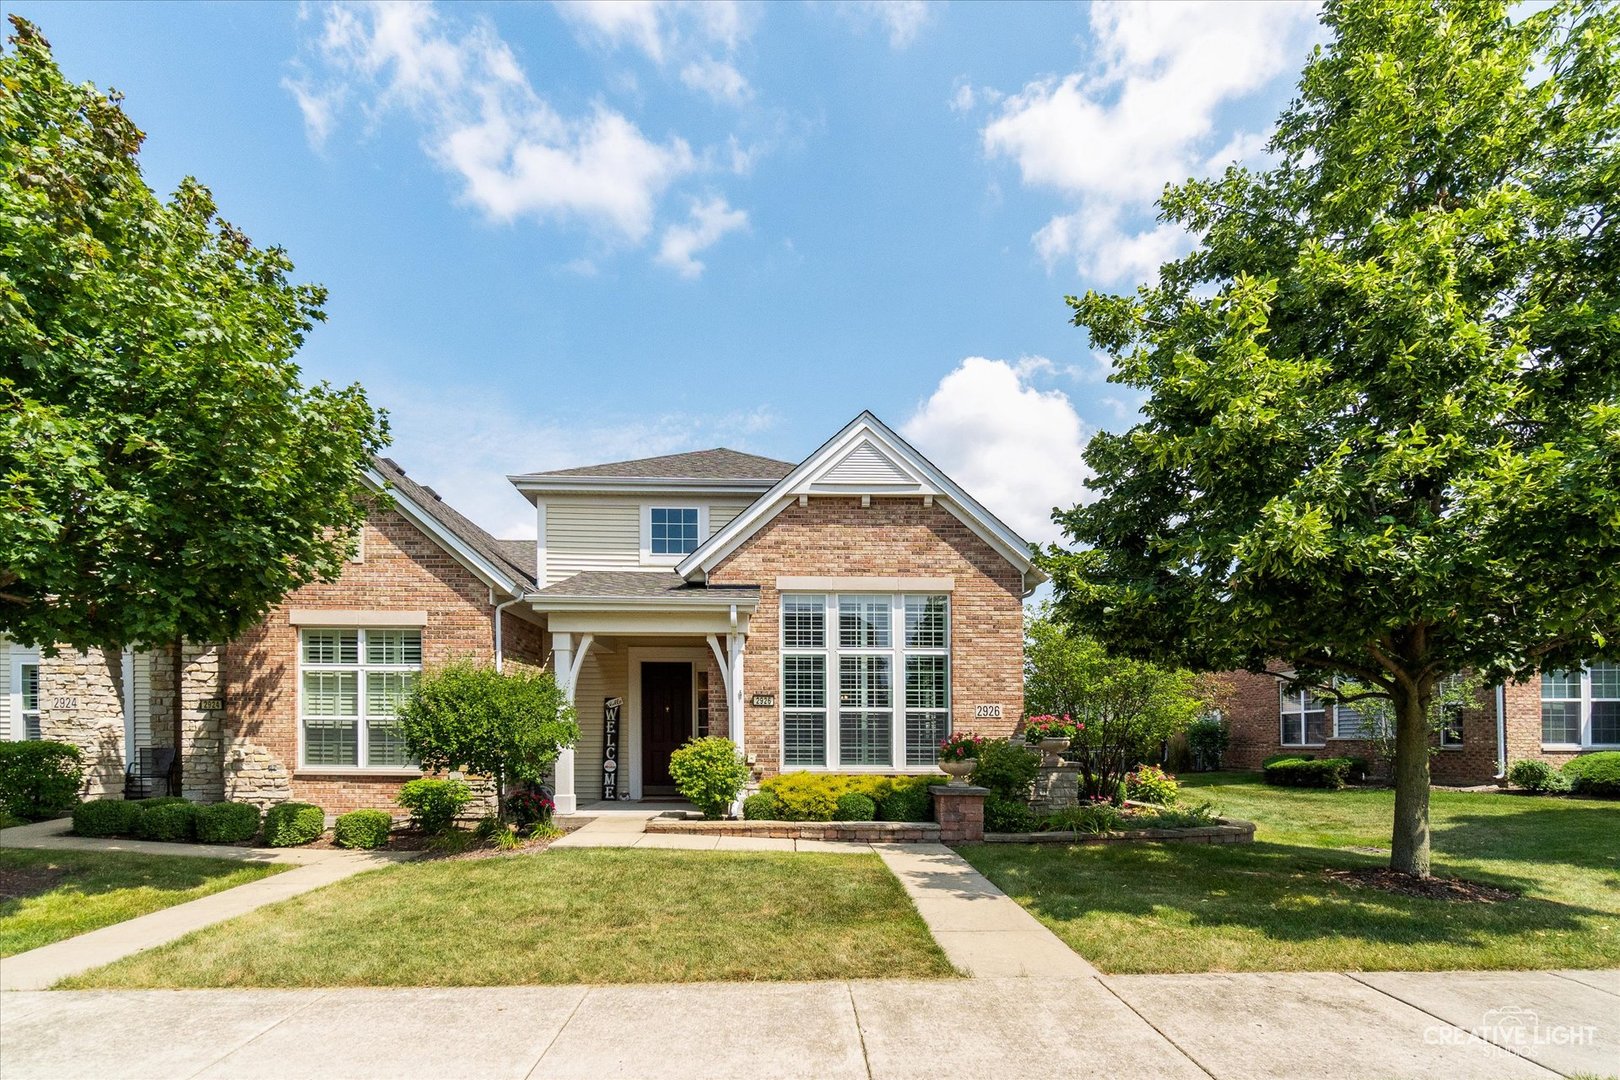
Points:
(19, 884)
(1430, 888)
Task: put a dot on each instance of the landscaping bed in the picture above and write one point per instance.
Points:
(874, 832)
(1223, 831)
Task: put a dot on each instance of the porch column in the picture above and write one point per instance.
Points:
(562, 665)
(735, 643)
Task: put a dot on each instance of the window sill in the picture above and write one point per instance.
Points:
(1577, 748)
(1303, 746)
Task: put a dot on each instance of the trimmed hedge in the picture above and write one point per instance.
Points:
(853, 806)
(227, 822)
(1311, 772)
(1004, 815)
(911, 802)
(762, 806)
(362, 829)
(1286, 756)
(106, 817)
(434, 804)
(1594, 774)
(39, 779)
(807, 796)
(172, 821)
(289, 824)
(1537, 776)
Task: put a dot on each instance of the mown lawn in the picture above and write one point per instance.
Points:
(565, 916)
(46, 896)
(1270, 906)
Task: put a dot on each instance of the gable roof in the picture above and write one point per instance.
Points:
(717, 464)
(495, 561)
(865, 458)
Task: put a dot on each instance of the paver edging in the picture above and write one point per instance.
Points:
(1226, 831)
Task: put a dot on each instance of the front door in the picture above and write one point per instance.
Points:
(666, 721)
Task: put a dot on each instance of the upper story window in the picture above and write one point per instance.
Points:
(1581, 708)
(668, 533)
(351, 685)
(1304, 717)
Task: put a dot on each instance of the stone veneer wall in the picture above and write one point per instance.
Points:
(82, 702)
(893, 537)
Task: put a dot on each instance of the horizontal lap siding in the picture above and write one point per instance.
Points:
(592, 532)
(603, 675)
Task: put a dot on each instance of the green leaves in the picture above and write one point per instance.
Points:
(508, 724)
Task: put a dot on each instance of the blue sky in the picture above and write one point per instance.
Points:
(559, 234)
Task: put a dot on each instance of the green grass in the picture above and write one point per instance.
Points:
(46, 896)
(565, 916)
(1269, 906)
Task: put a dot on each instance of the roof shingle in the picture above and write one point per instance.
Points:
(716, 464)
(642, 585)
(457, 524)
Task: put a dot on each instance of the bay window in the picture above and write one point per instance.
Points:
(352, 683)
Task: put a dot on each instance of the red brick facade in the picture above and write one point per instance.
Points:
(892, 537)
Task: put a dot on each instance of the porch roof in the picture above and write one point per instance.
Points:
(653, 589)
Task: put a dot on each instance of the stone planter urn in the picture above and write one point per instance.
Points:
(1051, 748)
(959, 771)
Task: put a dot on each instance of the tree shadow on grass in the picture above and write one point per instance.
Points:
(1561, 832)
(26, 876)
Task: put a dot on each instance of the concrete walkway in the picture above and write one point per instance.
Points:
(1230, 1027)
(43, 967)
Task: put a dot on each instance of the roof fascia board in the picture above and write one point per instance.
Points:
(482, 568)
(637, 603)
(650, 484)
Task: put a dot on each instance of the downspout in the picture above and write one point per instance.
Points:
(499, 648)
(1501, 731)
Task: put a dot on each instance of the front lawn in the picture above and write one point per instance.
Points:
(46, 896)
(1270, 906)
(565, 916)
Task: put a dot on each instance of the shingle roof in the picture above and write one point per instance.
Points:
(716, 464)
(522, 554)
(643, 585)
(457, 524)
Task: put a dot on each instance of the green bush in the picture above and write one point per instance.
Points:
(710, 774)
(1537, 776)
(363, 829)
(227, 822)
(853, 806)
(1181, 817)
(1595, 774)
(1004, 815)
(106, 817)
(158, 800)
(1207, 739)
(762, 806)
(1309, 772)
(175, 822)
(289, 824)
(1007, 769)
(434, 804)
(39, 780)
(1290, 756)
(807, 796)
(1151, 784)
(909, 802)
(1089, 818)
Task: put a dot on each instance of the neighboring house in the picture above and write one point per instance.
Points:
(841, 614)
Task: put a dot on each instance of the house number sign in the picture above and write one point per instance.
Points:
(611, 708)
(762, 701)
(987, 712)
(211, 704)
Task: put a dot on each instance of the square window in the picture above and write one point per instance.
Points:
(394, 647)
(673, 530)
(863, 622)
(804, 739)
(864, 738)
(864, 683)
(1560, 721)
(1605, 682)
(1606, 723)
(331, 646)
(925, 622)
(804, 622)
(1557, 685)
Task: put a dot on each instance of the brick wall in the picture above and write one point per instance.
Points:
(892, 537)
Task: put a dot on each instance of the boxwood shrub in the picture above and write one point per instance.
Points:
(289, 824)
(1537, 776)
(762, 806)
(1004, 815)
(39, 779)
(362, 829)
(1310, 772)
(910, 800)
(227, 822)
(807, 796)
(106, 817)
(853, 806)
(171, 820)
(1595, 774)
(434, 804)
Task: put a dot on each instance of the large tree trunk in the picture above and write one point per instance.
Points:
(1409, 850)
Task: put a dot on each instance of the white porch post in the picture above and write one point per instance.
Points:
(563, 774)
(735, 642)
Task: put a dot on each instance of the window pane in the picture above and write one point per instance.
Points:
(1451, 731)
(927, 683)
(1606, 681)
(1606, 723)
(925, 622)
(804, 682)
(703, 703)
(674, 531)
(1315, 728)
(30, 687)
(384, 745)
(1560, 684)
(863, 682)
(331, 741)
(394, 647)
(331, 693)
(804, 739)
(386, 691)
(1560, 721)
(803, 622)
(331, 646)
(864, 738)
(1293, 730)
(863, 622)
(923, 734)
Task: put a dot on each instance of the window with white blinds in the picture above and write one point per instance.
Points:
(352, 683)
(1581, 708)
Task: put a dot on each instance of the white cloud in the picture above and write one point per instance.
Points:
(684, 32)
(902, 20)
(618, 22)
(1144, 112)
(1017, 448)
(718, 79)
(319, 109)
(709, 221)
(483, 121)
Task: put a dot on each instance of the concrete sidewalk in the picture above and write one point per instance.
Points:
(1231, 1027)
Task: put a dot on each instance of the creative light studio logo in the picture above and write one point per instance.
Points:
(1511, 1025)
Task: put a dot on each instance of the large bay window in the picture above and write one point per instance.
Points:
(351, 685)
(1581, 708)
(865, 680)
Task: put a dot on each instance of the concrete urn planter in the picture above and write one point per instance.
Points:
(959, 771)
(1051, 748)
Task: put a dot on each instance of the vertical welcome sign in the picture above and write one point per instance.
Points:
(611, 708)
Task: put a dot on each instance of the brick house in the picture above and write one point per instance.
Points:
(848, 610)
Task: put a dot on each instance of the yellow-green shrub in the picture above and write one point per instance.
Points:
(807, 796)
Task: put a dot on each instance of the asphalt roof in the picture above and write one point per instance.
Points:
(501, 553)
(642, 585)
(716, 464)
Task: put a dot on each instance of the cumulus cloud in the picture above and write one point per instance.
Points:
(1142, 113)
(718, 79)
(700, 37)
(902, 20)
(483, 121)
(708, 222)
(1016, 447)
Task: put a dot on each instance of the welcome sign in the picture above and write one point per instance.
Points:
(611, 708)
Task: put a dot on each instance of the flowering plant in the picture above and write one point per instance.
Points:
(962, 747)
(1047, 726)
(1151, 784)
(530, 806)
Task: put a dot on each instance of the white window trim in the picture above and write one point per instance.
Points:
(647, 556)
(831, 651)
(1284, 691)
(1584, 706)
(362, 721)
(22, 657)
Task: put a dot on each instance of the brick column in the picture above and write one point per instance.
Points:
(959, 809)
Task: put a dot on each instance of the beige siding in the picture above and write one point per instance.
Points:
(720, 514)
(604, 533)
(5, 688)
(143, 700)
(603, 675)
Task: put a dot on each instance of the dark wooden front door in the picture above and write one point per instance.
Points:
(666, 721)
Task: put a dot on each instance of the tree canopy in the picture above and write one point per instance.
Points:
(1381, 437)
(164, 473)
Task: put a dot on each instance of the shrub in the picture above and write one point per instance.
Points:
(1151, 784)
(175, 822)
(289, 824)
(853, 806)
(106, 817)
(1595, 774)
(1007, 769)
(39, 780)
(762, 806)
(806, 796)
(531, 806)
(227, 822)
(1181, 817)
(362, 829)
(1286, 756)
(1004, 815)
(1309, 772)
(158, 800)
(1536, 776)
(1097, 817)
(709, 774)
(1207, 739)
(434, 804)
(908, 802)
